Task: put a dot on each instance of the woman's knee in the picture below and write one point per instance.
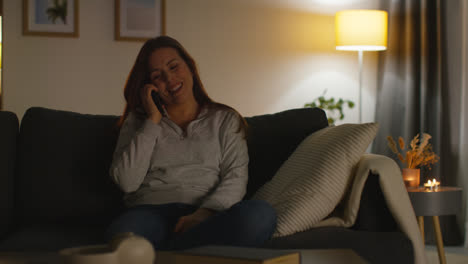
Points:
(140, 222)
(257, 215)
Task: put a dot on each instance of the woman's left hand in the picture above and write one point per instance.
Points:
(189, 221)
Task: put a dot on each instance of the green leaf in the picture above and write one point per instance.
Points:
(331, 106)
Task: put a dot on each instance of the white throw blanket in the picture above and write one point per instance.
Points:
(395, 194)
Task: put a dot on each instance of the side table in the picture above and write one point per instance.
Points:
(443, 201)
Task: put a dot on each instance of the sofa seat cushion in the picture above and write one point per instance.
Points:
(272, 138)
(375, 247)
(63, 168)
(51, 238)
(311, 183)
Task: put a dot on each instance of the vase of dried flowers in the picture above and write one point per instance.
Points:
(419, 154)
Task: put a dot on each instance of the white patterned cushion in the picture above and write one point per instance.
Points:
(314, 179)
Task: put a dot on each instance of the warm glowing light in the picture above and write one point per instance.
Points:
(432, 185)
(361, 30)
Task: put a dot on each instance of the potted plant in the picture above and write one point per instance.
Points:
(333, 108)
(418, 154)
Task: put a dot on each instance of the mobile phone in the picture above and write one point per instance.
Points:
(157, 102)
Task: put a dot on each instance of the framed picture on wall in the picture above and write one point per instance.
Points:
(51, 18)
(139, 20)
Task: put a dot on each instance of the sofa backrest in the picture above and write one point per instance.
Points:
(62, 168)
(9, 127)
(62, 172)
(273, 138)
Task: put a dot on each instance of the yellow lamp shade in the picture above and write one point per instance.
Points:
(361, 30)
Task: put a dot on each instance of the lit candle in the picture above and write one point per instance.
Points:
(428, 185)
(432, 185)
(436, 184)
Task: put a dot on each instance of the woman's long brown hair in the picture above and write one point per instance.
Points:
(139, 76)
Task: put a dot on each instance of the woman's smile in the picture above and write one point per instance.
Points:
(175, 89)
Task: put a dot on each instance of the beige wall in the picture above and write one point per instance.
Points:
(255, 55)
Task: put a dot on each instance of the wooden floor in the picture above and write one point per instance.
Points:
(454, 255)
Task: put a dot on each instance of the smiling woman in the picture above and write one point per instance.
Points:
(184, 173)
(170, 77)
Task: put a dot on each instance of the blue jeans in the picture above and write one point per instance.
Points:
(248, 223)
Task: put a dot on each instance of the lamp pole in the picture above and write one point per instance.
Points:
(360, 55)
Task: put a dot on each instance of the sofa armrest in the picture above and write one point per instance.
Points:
(373, 214)
(8, 139)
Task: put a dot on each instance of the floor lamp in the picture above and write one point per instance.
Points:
(361, 30)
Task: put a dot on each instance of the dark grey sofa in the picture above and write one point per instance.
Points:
(55, 191)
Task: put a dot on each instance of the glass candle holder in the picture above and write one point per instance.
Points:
(411, 177)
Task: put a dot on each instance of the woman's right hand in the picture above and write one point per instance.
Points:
(149, 105)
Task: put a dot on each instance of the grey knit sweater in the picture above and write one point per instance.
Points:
(160, 163)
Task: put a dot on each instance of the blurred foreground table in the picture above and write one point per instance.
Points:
(309, 256)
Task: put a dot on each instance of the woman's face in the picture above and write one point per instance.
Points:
(171, 75)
